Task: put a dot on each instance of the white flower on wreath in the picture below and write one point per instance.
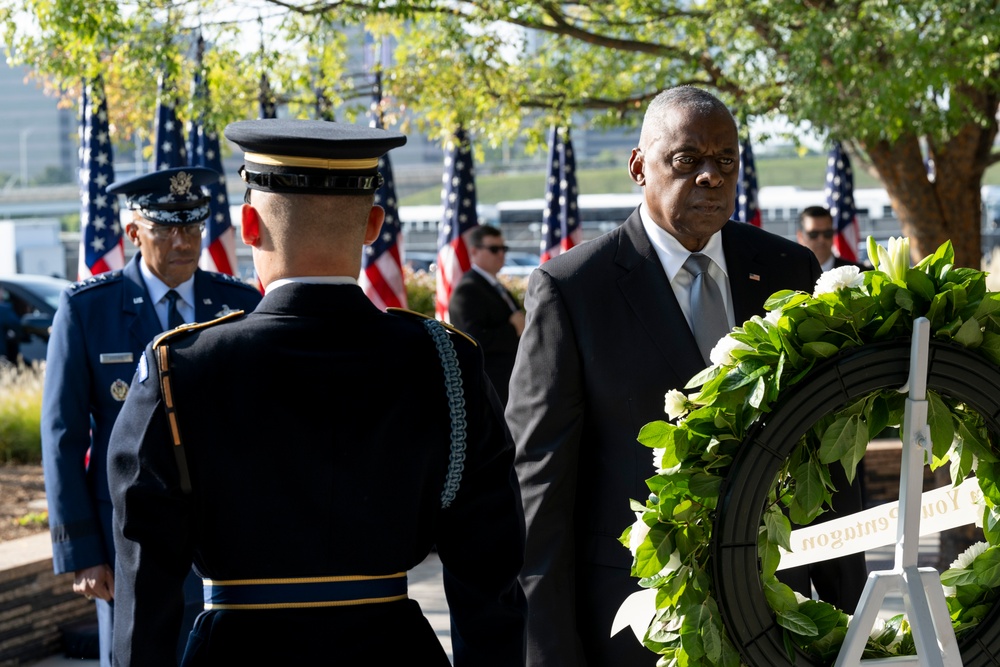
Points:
(965, 561)
(675, 404)
(639, 532)
(834, 280)
(966, 558)
(722, 353)
(895, 261)
(773, 316)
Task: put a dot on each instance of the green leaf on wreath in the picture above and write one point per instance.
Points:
(904, 299)
(812, 329)
(942, 426)
(780, 596)
(987, 473)
(823, 614)
(711, 641)
(988, 306)
(878, 417)
(991, 346)
(807, 503)
(798, 623)
(961, 465)
(958, 577)
(987, 568)
(976, 440)
(969, 334)
(991, 525)
(670, 438)
(779, 528)
(654, 552)
(846, 441)
(758, 393)
(819, 350)
(693, 618)
(887, 324)
(937, 313)
(920, 284)
(770, 556)
(785, 299)
(704, 485)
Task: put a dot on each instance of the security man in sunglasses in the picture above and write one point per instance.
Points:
(100, 329)
(483, 308)
(816, 232)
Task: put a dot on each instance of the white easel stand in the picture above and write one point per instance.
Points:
(923, 596)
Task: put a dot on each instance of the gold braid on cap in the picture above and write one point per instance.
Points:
(329, 164)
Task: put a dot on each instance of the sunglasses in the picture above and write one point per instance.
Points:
(826, 233)
(495, 249)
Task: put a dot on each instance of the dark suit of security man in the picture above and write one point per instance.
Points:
(483, 308)
(304, 514)
(606, 337)
(100, 328)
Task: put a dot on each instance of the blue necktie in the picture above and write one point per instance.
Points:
(708, 310)
(174, 318)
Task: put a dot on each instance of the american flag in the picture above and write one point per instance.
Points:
(747, 207)
(381, 267)
(218, 245)
(169, 150)
(561, 218)
(840, 201)
(458, 197)
(101, 243)
(268, 107)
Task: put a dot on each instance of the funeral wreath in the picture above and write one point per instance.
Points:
(846, 346)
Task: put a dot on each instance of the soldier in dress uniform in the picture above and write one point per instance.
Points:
(362, 439)
(100, 329)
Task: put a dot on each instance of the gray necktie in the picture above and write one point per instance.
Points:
(708, 310)
(174, 318)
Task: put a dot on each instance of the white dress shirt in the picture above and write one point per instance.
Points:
(672, 256)
(158, 293)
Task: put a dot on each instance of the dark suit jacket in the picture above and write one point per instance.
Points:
(325, 471)
(605, 340)
(478, 309)
(100, 328)
(839, 262)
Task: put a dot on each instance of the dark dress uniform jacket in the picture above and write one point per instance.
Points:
(605, 339)
(477, 308)
(100, 329)
(333, 464)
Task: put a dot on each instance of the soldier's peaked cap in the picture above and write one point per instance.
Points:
(176, 196)
(311, 156)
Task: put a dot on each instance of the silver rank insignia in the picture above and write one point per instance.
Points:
(225, 310)
(143, 369)
(119, 390)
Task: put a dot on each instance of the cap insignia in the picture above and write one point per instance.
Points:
(181, 183)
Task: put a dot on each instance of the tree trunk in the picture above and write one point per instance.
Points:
(949, 207)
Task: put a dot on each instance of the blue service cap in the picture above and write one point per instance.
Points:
(174, 196)
(311, 156)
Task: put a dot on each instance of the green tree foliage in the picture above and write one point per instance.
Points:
(898, 82)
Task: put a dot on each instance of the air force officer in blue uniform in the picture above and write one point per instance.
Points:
(100, 329)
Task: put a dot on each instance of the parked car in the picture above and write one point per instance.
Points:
(34, 299)
(420, 261)
(519, 264)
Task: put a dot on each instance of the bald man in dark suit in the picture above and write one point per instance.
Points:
(609, 331)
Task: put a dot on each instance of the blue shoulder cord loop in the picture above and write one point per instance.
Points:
(456, 404)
